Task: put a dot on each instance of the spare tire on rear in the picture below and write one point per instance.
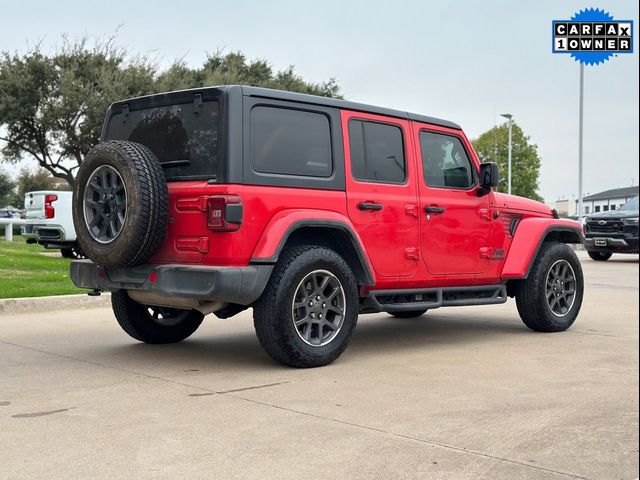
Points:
(120, 204)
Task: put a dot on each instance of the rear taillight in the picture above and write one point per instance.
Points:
(224, 213)
(49, 211)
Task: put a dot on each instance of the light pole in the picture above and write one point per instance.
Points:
(509, 117)
(580, 126)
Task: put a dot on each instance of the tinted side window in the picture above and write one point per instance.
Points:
(290, 142)
(377, 152)
(445, 162)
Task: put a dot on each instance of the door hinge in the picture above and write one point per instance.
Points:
(193, 244)
(412, 253)
(197, 103)
(412, 210)
(485, 213)
(192, 204)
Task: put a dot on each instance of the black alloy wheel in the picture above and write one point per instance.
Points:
(318, 308)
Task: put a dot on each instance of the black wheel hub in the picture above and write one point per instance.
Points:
(105, 204)
(561, 288)
(318, 309)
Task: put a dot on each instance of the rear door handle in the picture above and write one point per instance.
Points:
(374, 207)
(434, 209)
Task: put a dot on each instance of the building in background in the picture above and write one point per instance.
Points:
(566, 208)
(608, 200)
(598, 202)
(59, 184)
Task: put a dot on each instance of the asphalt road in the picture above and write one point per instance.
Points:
(459, 393)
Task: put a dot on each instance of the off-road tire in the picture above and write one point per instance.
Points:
(408, 314)
(137, 322)
(272, 313)
(144, 226)
(531, 296)
(599, 256)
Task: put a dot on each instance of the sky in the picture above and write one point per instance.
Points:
(466, 61)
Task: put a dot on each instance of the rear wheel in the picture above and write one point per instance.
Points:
(549, 300)
(152, 324)
(408, 314)
(599, 256)
(307, 313)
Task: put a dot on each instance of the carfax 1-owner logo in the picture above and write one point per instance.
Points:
(592, 36)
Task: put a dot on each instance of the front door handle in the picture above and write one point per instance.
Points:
(373, 207)
(434, 209)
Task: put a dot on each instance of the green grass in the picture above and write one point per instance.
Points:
(25, 272)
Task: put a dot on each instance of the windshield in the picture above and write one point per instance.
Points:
(184, 137)
(631, 205)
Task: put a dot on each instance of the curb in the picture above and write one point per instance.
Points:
(58, 302)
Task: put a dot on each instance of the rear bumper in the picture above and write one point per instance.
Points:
(44, 233)
(242, 285)
(27, 231)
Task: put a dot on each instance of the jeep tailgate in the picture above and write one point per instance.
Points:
(186, 240)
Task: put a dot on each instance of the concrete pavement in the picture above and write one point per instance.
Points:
(459, 393)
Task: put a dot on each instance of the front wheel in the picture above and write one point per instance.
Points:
(152, 324)
(599, 256)
(549, 300)
(307, 313)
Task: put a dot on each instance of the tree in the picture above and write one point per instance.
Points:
(52, 105)
(12, 192)
(29, 181)
(234, 69)
(493, 146)
(7, 189)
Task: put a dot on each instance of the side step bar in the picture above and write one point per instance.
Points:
(430, 298)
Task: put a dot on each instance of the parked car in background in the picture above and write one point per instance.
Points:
(50, 222)
(16, 213)
(5, 214)
(615, 231)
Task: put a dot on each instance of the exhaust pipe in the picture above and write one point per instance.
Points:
(150, 298)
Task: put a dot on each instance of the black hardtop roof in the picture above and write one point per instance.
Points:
(344, 104)
(166, 98)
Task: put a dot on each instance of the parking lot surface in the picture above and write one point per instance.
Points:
(459, 393)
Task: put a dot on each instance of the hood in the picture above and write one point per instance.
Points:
(513, 202)
(613, 214)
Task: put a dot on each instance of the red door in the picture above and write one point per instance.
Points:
(382, 199)
(455, 221)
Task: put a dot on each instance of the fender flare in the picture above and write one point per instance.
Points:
(524, 249)
(280, 228)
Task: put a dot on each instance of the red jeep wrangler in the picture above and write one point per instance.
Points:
(310, 210)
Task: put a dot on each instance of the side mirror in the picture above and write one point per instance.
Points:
(489, 177)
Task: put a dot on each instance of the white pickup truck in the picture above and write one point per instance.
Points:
(49, 221)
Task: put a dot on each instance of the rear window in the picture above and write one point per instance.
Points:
(377, 152)
(184, 137)
(290, 142)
